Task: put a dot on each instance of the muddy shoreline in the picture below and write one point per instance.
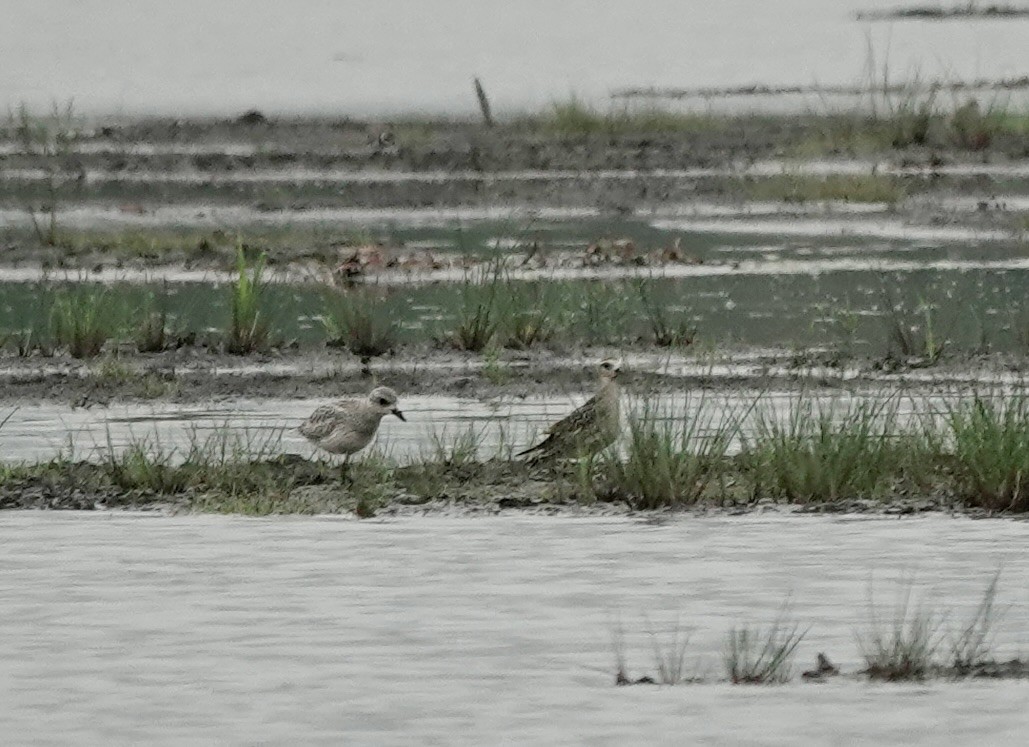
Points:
(291, 484)
(192, 375)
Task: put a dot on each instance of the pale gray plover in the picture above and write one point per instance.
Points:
(347, 426)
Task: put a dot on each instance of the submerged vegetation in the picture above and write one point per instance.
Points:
(80, 322)
(890, 322)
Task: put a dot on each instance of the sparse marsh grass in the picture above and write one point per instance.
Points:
(49, 140)
(495, 310)
(971, 644)
(828, 452)
(457, 463)
(913, 335)
(914, 112)
(360, 320)
(762, 656)
(669, 326)
(153, 334)
(458, 450)
(231, 471)
(903, 647)
(800, 188)
(80, 321)
(671, 458)
(575, 117)
(529, 313)
(145, 466)
(834, 454)
(477, 321)
(599, 316)
(669, 651)
(249, 329)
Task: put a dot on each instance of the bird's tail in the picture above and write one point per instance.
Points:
(530, 450)
(537, 455)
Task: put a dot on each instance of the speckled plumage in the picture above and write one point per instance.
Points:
(588, 429)
(347, 426)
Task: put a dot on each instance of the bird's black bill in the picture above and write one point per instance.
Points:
(400, 415)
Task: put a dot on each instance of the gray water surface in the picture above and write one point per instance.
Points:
(127, 629)
(354, 58)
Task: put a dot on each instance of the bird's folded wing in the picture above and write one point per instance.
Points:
(575, 421)
(321, 422)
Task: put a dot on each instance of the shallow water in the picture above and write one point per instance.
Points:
(266, 428)
(345, 58)
(119, 628)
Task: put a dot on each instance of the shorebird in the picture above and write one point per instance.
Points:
(347, 426)
(589, 429)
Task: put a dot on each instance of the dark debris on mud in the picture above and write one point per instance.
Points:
(825, 671)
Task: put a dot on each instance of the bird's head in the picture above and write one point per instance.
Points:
(384, 399)
(609, 369)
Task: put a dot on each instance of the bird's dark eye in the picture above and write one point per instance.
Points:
(383, 401)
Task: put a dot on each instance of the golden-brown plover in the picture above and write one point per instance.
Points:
(589, 429)
(347, 426)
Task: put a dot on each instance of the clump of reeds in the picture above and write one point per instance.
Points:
(671, 458)
(903, 648)
(359, 320)
(757, 656)
(477, 321)
(990, 441)
(153, 334)
(971, 644)
(668, 650)
(669, 326)
(80, 321)
(528, 313)
(825, 452)
(249, 330)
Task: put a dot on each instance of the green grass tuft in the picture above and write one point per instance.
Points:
(249, 330)
(825, 453)
(990, 440)
(359, 320)
(80, 321)
(671, 459)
